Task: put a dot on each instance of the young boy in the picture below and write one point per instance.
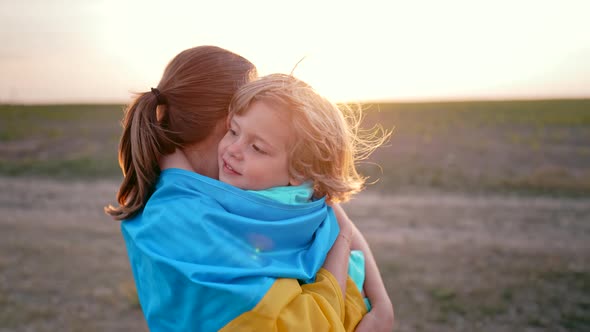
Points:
(289, 144)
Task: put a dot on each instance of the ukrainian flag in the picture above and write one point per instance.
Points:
(203, 252)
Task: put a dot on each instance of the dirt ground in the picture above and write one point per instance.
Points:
(451, 261)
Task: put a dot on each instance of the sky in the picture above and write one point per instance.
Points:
(85, 51)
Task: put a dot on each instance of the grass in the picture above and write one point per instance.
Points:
(530, 297)
(82, 167)
(63, 141)
(537, 147)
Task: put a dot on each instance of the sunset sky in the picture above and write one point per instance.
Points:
(68, 51)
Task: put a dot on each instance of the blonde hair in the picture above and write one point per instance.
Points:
(329, 140)
(192, 97)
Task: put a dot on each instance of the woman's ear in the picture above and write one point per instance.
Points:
(160, 111)
(294, 181)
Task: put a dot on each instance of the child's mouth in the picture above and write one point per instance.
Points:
(229, 169)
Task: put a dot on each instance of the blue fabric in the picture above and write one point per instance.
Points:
(301, 194)
(356, 268)
(203, 252)
(356, 271)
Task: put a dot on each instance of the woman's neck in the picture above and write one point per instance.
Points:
(200, 157)
(176, 159)
(180, 159)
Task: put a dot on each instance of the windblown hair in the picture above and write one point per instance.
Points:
(193, 95)
(329, 140)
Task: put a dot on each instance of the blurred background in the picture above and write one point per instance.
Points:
(478, 210)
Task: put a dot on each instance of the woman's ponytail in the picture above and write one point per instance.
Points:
(143, 142)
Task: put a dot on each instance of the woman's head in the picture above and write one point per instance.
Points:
(324, 143)
(186, 110)
(198, 85)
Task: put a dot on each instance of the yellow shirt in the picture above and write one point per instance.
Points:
(318, 306)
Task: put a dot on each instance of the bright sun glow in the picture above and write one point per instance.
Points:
(69, 51)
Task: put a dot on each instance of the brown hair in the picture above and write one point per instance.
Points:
(329, 140)
(194, 95)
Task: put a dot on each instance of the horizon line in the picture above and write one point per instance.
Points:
(366, 101)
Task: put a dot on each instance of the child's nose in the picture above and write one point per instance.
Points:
(235, 149)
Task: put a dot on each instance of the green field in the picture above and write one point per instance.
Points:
(524, 146)
(538, 146)
(61, 141)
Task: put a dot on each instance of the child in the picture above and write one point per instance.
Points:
(287, 143)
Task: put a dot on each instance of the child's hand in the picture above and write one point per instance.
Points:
(380, 318)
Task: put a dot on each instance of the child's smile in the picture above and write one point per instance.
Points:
(228, 169)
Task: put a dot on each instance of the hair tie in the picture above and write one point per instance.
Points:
(159, 98)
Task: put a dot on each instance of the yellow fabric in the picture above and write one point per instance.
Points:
(355, 307)
(318, 306)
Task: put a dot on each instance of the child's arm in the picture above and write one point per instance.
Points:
(381, 316)
(337, 259)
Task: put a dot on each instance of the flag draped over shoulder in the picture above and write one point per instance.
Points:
(203, 252)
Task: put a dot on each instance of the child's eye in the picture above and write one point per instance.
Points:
(257, 149)
(232, 132)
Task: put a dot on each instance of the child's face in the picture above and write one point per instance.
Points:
(253, 155)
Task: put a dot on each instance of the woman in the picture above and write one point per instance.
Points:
(184, 119)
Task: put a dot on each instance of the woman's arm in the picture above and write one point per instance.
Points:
(381, 316)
